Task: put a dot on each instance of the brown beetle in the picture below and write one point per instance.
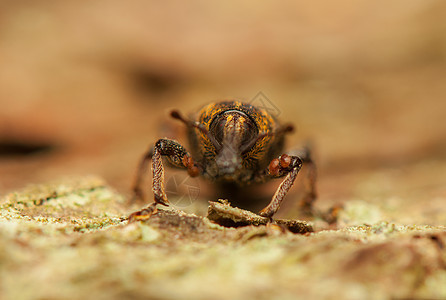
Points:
(231, 143)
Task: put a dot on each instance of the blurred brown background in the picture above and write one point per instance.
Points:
(85, 87)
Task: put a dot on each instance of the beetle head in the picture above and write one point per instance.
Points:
(232, 134)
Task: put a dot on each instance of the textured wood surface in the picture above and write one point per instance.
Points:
(86, 87)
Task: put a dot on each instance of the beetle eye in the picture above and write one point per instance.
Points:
(217, 130)
(250, 133)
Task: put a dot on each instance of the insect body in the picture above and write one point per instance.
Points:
(231, 142)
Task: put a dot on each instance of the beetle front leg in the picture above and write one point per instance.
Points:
(279, 167)
(178, 157)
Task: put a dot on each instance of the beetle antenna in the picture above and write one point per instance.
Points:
(285, 129)
(177, 115)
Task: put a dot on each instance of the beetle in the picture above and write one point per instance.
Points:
(231, 142)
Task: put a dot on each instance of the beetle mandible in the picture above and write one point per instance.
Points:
(231, 142)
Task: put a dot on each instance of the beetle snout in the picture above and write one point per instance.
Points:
(228, 161)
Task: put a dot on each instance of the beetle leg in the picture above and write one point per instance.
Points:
(144, 213)
(279, 167)
(177, 156)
